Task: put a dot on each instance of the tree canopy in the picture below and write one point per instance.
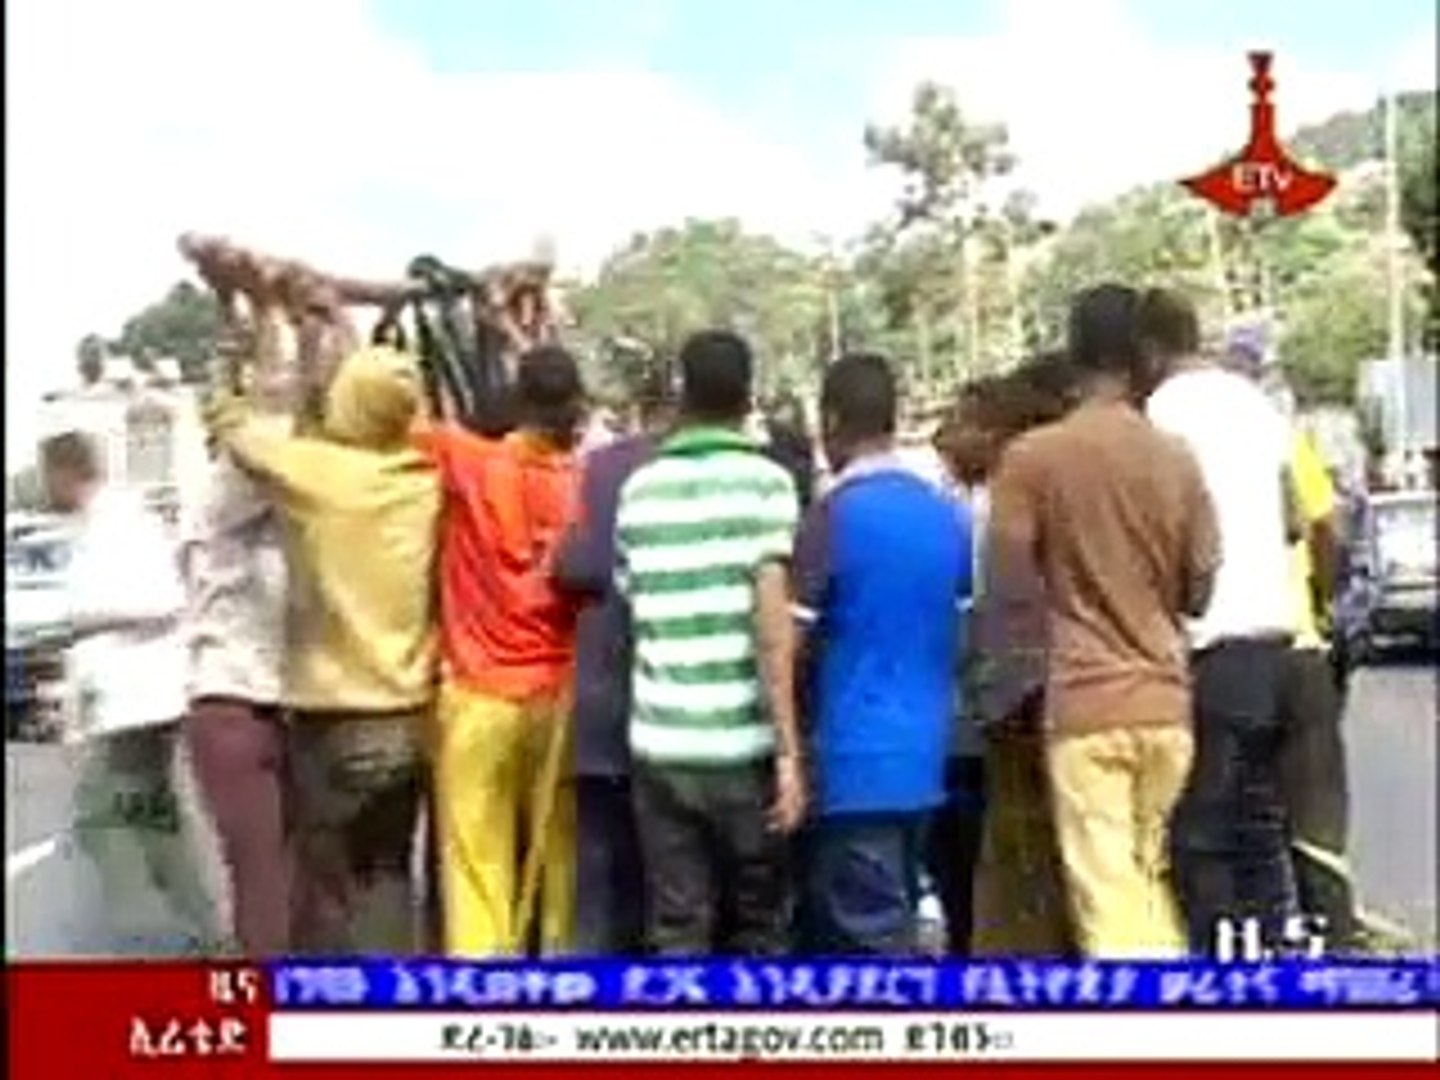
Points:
(663, 285)
(962, 275)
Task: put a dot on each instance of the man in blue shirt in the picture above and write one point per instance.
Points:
(881, 566)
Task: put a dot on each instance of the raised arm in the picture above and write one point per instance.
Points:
(297, 467)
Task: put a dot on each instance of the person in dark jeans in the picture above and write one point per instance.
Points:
(1231, 832)
(880, 565)
(610, 906)
(952, 850)
(1230, 837)
(1315, 788)
(704, 534)
(718, 872)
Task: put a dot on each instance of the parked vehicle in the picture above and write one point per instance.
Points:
(36, 628)
(1393, 594)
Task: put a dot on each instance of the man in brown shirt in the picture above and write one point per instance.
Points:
(1112, 517)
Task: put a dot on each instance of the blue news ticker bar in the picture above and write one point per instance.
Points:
(879, 984)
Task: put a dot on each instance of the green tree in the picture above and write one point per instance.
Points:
(665, 285)
(184, 325)
(1420, 205)
(1153, 236)
(930, 263)
(1337, 319)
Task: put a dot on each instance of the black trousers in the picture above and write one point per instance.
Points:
(717, 877)
(610, 885)
(1229, 833)
(861, 884)
(952, 849)
(1315, 789)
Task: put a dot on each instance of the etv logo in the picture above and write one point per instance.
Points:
(1263, 179)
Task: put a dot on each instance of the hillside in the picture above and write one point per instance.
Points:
(1347, 139)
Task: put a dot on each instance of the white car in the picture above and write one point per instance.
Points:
(36, 626)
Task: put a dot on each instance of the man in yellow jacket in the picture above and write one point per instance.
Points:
(360, 507)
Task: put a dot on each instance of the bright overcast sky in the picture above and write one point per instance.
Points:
(357, 134)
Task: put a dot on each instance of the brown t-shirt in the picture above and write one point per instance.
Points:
(1111, 517)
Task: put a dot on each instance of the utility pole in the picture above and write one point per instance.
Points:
(1394, 267)
(832, 303)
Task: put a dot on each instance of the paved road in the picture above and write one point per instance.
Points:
(53, 909)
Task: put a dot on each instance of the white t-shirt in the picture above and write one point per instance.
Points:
(124, 573)
(1241, 441)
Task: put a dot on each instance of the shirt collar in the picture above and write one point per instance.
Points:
(873, 464)
(698, 441)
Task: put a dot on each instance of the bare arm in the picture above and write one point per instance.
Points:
(776, 641)
(1202, 543)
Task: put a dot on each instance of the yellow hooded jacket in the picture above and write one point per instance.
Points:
(361, 509)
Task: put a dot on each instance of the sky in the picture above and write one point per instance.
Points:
(357, 133)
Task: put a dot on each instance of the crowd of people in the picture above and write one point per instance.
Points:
(483, 694)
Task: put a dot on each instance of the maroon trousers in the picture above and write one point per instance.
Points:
(238, 751)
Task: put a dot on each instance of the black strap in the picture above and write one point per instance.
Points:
(461, 354)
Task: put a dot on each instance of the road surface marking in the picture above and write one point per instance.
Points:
(30, 856)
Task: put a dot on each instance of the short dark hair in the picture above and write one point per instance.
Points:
(859, 395)
(549, 393)
(1104, 330)
(716, 370)
(72, 452)
(655, 391)
(1168, 322)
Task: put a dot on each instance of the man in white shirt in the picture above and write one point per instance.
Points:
(136, 812)
(1229, 832)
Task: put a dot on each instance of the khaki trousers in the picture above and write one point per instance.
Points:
(1113, 795)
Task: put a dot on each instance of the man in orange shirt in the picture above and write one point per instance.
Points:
(504, 804)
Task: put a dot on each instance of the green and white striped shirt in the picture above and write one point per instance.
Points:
(692, 529)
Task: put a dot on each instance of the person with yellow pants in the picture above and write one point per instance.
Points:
(503, 780)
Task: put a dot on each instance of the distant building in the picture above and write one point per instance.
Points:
(145, 423)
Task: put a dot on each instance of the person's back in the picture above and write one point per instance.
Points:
(882, 567)
(1111, 518)
(362, 509)
(609, 877)
(501, 780)
(693, 525)
(1241, 443)
(897, 564)
(586, 567)
(504, 628)
(1117, 503)
(1229, 832)
(703, 540)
